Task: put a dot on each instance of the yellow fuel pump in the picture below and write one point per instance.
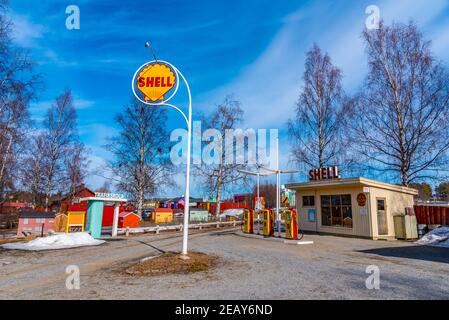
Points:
(248, 221)
(267, 218)
(291, 224)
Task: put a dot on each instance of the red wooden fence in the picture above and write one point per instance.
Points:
(228, 205)
(432, 215)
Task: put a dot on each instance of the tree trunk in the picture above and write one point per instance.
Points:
(48, 188)
(218, 194)
(140, 202)
(5, 158)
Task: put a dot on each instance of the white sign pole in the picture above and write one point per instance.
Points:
(278, 189)
(188, 120)
(185, 234)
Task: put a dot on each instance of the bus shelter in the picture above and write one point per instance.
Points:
(95, 206)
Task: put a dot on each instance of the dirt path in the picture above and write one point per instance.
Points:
(248, 268)
(26, 271)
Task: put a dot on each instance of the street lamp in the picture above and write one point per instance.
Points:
(188, 120)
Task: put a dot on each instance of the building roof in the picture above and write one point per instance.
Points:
(14, 204)
(103, 199)
(192, 199)
(350, 182)
(76, 194)
(163, 210)
(124, 214)
(36, 215)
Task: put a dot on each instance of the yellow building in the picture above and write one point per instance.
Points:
(162, 215)
(352, 206)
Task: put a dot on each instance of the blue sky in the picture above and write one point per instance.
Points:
(252, 49)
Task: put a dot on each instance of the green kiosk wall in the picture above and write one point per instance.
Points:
(94, 217)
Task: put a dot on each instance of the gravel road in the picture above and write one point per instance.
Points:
(331, 268)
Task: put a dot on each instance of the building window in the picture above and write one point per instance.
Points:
(308, 201)
(336, 210)
(25, 221)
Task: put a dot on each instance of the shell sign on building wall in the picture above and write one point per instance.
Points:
(154, 81)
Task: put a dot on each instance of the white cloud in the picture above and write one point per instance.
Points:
(53, 58)
(39, 109)
(96, 133)
(96, 177)
(268, 87)
(79, 103)
(26, 33)
(420, 11)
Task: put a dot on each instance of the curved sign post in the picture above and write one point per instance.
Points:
(155, 83)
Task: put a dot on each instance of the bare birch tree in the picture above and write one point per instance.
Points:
(56, 160)
(400, 118)
(141, 164)
(316, 131)
(76, 165)
(221, 175)
(105, 188)
(17, 89)
(33, 169)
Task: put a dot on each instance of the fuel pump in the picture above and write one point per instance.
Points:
(291, 224)
(268, 222)
(248, 221)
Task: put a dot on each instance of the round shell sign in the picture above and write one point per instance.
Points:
(155, 82)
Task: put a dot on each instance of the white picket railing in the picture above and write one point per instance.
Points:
(178, 227)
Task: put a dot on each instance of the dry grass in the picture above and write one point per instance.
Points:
(170, 263)
(12, 240)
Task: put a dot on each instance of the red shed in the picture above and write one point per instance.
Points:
(128, 219)
(35, 223)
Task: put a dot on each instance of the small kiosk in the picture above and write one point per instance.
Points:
(162, 215)
(357, 207)
(95, 207)
(75, 221)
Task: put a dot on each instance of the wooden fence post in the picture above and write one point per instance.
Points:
(443, 215)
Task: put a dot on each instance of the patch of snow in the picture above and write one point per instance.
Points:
(232, 213)
(437, 237)
(57, 241)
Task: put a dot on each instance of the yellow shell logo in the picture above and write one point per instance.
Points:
(155, 81)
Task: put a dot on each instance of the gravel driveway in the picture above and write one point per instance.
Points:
(331, 268)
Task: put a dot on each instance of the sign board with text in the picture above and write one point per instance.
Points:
(155, 82)
(324, 174)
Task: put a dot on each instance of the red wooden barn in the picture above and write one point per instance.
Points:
(128, 219)
(62, 203)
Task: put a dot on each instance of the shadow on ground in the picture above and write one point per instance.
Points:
(426, 253)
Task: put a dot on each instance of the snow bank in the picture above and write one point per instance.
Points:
(438, 237)
(57, 241)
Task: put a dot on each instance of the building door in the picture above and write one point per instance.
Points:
(382, 223)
